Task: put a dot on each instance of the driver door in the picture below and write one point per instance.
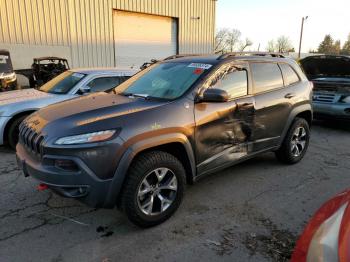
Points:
(223, 131)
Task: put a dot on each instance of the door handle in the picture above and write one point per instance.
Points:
(289, 95)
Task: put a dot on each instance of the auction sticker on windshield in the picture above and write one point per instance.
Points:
(199, 65)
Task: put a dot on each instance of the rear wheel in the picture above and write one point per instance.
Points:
(154, 188)
(295, 143)
(13, 132)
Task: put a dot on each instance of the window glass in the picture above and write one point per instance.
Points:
(266, 76)
(232, 79)
(62, 83)
(104, 83)
(290, 77)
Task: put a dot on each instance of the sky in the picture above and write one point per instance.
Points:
(264, 20)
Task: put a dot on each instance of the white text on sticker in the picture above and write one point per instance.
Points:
(199, 65)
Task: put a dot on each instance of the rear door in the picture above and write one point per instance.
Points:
(224, 130)
(273, 103)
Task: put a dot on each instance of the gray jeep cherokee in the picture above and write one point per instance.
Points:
(172, 123)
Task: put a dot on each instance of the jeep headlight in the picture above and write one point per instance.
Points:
(86, 138)
(345, 99)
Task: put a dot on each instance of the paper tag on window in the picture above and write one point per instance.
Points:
(199, 65)
(78, 75)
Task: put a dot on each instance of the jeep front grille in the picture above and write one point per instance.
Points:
(30, 139)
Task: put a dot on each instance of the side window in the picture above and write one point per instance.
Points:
(232, 79)
(266, 76)
(104, 83)
(289, 75)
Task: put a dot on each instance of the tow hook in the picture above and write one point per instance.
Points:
(42, 187)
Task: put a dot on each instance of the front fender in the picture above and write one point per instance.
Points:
(133, 150)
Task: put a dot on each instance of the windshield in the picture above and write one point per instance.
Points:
(62, 83)
(5, 63)
(165, 81)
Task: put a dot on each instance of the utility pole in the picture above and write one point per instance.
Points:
(301, 33)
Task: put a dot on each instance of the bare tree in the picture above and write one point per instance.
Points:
(221, 40)
(233, 39)
(226, 40)
(271, 46)
(283, 44)
(245, 44)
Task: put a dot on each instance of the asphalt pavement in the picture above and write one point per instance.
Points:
(250, 212)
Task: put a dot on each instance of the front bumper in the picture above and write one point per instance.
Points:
(82, 184)
(8, 84)
(331, 110)
(3, 121)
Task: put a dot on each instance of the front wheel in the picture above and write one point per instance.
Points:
(295, 143)
(13, 132)
(154, 188)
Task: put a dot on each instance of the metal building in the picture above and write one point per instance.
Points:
(105, 33)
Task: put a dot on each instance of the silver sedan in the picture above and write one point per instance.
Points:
(17, 105)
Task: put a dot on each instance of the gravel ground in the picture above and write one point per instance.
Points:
(250, 212)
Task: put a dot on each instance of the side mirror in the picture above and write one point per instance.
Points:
(83, 90)
(214, 95)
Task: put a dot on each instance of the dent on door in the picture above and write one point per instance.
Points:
(224, 133)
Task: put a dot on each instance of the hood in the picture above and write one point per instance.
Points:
(89, 113)
(326, 66)
(24, 95)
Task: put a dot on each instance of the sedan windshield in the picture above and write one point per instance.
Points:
(165, 81)
(62, 83)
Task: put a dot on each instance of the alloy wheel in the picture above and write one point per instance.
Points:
(157, 191)
(298, 141)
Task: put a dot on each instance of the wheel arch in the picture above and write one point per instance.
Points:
(176, 144)
(302, 111)
(14, 118)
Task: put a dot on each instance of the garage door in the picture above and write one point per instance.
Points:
(142, 37)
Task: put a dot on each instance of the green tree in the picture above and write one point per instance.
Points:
(327, 46)
(337, 47)
(346, 47)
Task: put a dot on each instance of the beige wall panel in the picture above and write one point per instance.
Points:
(86, 26)
(22, 55)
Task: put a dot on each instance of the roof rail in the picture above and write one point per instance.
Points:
(223, 56)
(179, 56)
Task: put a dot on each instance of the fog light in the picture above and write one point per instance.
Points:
(67, 165)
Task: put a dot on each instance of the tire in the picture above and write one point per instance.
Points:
(294, 147)
(14, 132)
(136, 196)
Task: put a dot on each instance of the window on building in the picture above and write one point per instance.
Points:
(266, 76)
(289, 75)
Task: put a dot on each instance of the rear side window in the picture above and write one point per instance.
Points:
(289, 75)
(105, 83)
(266, 76)
(232, 79)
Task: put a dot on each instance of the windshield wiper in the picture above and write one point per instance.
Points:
(145, 96)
